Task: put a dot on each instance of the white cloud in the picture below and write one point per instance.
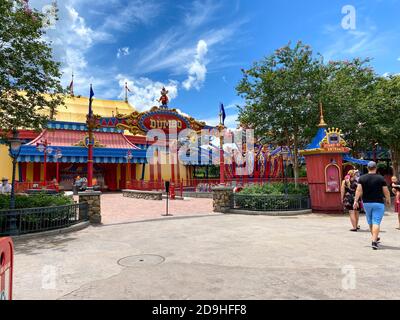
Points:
(72, 39)
(174, 49)
(145, 92)
(125, 51)
(201, 12)
(364, 42)
(197, 70)
(133, 12)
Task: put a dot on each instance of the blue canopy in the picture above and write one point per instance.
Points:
(315, 144)
(348, 158)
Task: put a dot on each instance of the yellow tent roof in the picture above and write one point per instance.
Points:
(76, 108)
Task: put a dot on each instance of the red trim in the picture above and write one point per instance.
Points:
(23, 171)
(37, 167)
(122, 184)
(152, 172)
(133, 172)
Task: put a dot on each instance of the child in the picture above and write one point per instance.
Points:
(396, 191)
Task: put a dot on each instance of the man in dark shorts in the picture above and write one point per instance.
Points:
(372, 188)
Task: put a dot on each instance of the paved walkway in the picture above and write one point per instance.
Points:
(117, 209)
(213, 257)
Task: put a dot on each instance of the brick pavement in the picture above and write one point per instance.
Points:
(117, 209)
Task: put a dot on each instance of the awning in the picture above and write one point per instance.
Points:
(316, 142)
(348, 158)
(80, 155)
(69, 138)
(109, 148)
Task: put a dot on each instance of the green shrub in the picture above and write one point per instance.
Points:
(35, 201)
(275, 189)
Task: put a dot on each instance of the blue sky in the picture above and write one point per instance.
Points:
(197, 48)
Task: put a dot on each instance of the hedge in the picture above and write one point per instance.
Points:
(39, 200)
(276, 189)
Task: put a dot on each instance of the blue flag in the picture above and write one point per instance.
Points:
(90, 100)
(222, 113)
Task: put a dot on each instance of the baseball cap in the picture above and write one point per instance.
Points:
(372, 165)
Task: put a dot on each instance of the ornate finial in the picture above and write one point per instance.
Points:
(322, 123)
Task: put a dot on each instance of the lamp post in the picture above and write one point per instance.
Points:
(221, 129)
(58, 156)
(128, 158)
(44, 147)
(15, 149)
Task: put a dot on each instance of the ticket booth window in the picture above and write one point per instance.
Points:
(332, 178)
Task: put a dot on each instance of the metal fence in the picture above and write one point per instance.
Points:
(31, 220)
(271, 202)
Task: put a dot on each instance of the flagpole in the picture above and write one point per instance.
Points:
(126, 92)
(72, 85)
(90, 125)
(221, 128)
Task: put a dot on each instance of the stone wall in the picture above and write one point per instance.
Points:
(93, 200)
(222, 199)
(147, 195)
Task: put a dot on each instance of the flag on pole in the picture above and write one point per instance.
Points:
(222, 113)
(90, 101)
(71, 87)
(126, 87)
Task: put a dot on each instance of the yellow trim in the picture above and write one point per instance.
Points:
(118, 175)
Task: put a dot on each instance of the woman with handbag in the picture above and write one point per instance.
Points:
(348, 192)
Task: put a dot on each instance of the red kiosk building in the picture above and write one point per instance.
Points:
(324, 160)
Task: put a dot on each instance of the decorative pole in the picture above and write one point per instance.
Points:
(44, 146)
(128, 157)
(15, 149)
(126, 92)
(90, 124)
(221, 129)
(58, 156)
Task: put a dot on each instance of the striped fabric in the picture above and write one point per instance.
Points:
(67, 138)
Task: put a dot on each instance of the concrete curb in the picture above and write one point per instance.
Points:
(76, 227)
(270, 213)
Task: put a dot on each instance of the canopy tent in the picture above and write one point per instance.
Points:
(348, 158)
(315, 143)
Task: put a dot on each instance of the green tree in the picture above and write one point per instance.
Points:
(382, 116)
(346, 90)
(281, 94)
(29, 78)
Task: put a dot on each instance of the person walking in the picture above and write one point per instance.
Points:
(373, 189)
(348, 193)
(396, 192)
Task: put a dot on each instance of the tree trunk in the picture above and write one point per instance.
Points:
(395, 160)
(296, 161)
